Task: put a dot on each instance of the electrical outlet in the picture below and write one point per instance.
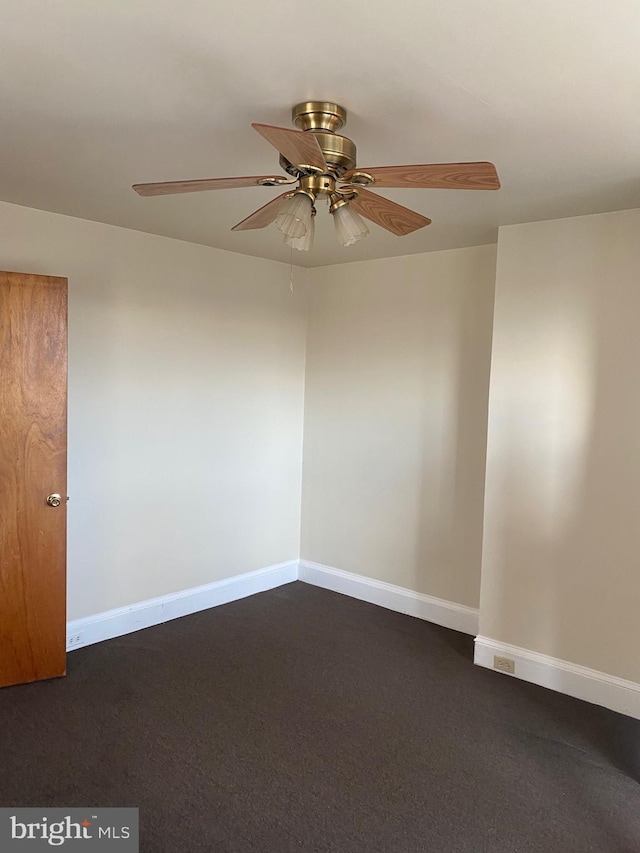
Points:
(74, 640)
(504, 664)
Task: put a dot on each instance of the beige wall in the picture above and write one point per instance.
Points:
(186, 387)
(185, 406)
(395, 419)
(561, 563)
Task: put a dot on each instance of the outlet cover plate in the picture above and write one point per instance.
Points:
(504, 664)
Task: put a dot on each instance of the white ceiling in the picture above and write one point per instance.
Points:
(97, 95)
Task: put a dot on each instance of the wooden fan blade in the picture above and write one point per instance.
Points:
(299, 147)
(441, 176)
(263, 216)
(170, 187)
(394, 217)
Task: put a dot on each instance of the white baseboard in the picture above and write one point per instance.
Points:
(154, 611)
(612, 692)
(446, 613)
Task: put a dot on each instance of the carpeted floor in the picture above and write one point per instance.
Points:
(302, 720)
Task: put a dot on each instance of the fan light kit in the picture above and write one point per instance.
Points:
(322, 164)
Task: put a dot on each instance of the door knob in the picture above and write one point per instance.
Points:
(54, 500)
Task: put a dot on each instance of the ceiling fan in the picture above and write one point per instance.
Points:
(322, 164)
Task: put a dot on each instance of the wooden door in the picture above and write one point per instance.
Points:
(33, 466)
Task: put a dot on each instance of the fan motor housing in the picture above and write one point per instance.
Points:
(339, 152)
(323, 119)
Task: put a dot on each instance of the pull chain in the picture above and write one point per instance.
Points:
(291, 272)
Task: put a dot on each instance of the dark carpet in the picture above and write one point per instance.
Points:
(302, 720)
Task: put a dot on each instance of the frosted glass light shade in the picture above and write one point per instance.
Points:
(304, 243)
(294, 217)
(350, 226)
